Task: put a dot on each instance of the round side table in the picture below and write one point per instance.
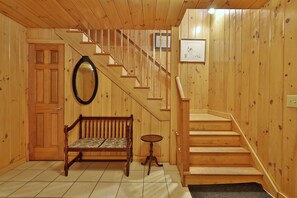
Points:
(151, 138)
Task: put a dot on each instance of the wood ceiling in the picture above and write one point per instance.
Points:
(110, 14)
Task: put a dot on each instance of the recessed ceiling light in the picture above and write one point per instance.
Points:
(211, 11)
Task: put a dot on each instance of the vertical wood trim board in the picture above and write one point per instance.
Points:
(13, 93)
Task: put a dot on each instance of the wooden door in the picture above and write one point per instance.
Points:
(46, 88)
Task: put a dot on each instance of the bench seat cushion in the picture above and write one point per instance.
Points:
(87, 143)
(100, 143)
(114, 143)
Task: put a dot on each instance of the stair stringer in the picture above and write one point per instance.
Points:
(101, 61)
(267, 181)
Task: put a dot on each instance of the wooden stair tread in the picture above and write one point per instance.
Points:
(88, 42)
(224, 171)
(227, 133)
(155, 98)
(127, 76)
(141, 87)
(206, 117)
(115, 65)
(107, 54)
(218, 150)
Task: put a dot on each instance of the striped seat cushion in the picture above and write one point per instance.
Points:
(87, 143)
(114, 143)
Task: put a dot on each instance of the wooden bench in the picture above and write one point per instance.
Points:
(100, 134)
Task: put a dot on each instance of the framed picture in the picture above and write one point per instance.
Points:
(160, 41)
(192, 50)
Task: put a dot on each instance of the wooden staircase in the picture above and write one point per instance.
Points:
(216, 154)
(116, 72)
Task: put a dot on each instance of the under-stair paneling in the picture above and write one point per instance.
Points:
(252, 70)
(13, 93)
(194, 76)
(110, 100)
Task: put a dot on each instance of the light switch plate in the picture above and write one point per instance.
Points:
(291, 100)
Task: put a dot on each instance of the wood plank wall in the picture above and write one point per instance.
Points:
(109, 101)
(13, 93)
(194, 76)
(253, 67)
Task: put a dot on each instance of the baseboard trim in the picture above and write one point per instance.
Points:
(220, 114)
(13, 165)
(281, 195)
(268, 183)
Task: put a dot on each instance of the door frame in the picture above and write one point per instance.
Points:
(29, 75)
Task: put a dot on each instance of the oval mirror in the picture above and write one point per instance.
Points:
(85, 80)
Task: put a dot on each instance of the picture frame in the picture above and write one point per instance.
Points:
(192, 50)
(160, 41)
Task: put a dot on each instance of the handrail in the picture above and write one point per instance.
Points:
(180, 88)
(144, 53)
(132, 51)
(183, 118)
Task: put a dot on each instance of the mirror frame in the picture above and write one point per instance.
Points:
(78, 64)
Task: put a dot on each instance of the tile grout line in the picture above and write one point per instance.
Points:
(26, 182)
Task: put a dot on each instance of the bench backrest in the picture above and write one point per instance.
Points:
(106, 127)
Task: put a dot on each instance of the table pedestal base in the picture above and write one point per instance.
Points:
(151, 158)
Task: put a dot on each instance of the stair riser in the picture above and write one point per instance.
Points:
(210, 126)
(220, 179)
(200, 140)
(220, 159)
(90, 48)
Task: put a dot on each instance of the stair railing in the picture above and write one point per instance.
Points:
(134, 49)
(183, 125)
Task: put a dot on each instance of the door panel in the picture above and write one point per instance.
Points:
(46, 67)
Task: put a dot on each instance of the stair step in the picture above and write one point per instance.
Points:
(115, 65)
(214, 138)
(207, 125)
(106, 54)
(206, 117)
(224, 171)
(221, 175)
(218, 150)
(128, 76)
(138, 87)
(155, 98)
(165, 109)
(75, 31)
(219, 156)
(214, 133)
(88, 42)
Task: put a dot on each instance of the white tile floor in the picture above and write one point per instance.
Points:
(91, 179)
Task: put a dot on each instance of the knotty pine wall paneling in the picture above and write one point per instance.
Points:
(254, 83)
(289, 146)
(194, 76)
(13, 93)
(109, 101)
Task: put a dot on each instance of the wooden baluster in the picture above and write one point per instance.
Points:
(108, 41)
(115, 46)
(122, 48)
(89, 35)
(166, 76)
(160, 65)
(140, 57)
(128, 51)
(134, 53)
(147, 57)
(102, 42)
(154, 64)
(95, 36)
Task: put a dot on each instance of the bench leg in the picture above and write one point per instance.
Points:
(66, 162)
(79, 157)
